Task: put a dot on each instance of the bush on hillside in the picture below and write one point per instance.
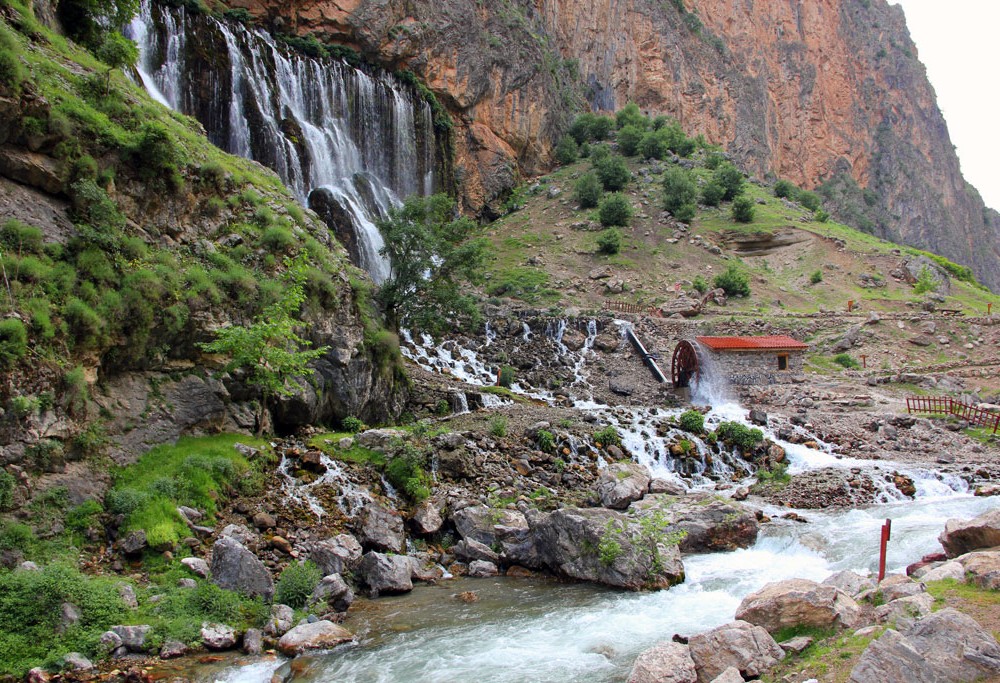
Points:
(629, 139)
(630, 115)
(743, 210)
(712, 194)
(809, 200)
(679, 193)
(615, 209)
(613, 173)
(589, 191)
(610, 241)
(730, 179)
(567, 150)
(296, 584)
(786, 189)
(734, 281)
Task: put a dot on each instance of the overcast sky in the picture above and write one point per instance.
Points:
(958, 43)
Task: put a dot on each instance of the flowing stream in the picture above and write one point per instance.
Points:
(363, 140)
(531, 630)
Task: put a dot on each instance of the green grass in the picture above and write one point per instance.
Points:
(950, 588)
(197, 472)
(359, 455)
(829, 658)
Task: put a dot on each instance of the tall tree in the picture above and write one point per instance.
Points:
(432, 255)
(269, 349)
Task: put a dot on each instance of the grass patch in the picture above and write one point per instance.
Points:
(947, 589)
(329, 444)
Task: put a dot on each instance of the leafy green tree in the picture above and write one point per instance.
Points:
(734, 281)
(630, 115)
(117, 52)
(679, 193)
(809, 200)
(601, 128)
(89, 21)
(581, 129)
(743, 210)
(589, 190)
(653, 145)
(730, 179)
(785, 188)
(615, 209)
(712, 193)
(610, 241)
(269, 350)
(613, 173)
(567, 150)
(629, 139)
(433, 256)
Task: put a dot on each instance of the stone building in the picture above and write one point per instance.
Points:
(738, 360)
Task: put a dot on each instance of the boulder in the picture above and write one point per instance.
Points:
(730, 675)
(470, 550)
(901, 613)
(281, 621)
(381, 440)
(943, 647)
(218, 636)
(622, 483)
(336, 555)
(133, 543)
(481, 569)
(319, 635)
(664, 663)
(599, 545)
(949, 570)
(197, 566)
(982, 568)
(240, 533)
(172, 649)
(708, 523)
(852, 583)
(963, 536)
(426, 518)
(799, 603)
(896, 586)
(264, 521)
(386, 574)
(237, 569)
(747, 648)
(668, 486)
(74, 661)
(109, 642)
(913, 268)
(332, 590)
(683, 306)
(133, 638)
(381, 529)
(490, 526)
(253, 642)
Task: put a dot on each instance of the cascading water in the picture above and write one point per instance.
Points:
(362, 140)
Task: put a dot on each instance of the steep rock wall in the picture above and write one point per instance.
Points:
(827, 90)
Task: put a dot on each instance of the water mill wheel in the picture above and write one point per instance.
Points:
(685, 364)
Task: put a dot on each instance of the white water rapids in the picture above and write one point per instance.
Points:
(531, 630)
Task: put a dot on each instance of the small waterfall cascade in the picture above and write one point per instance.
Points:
(712, 386)
(361, 140)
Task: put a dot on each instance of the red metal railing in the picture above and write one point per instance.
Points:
(940, 405)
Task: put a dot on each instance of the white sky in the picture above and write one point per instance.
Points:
(957, 40)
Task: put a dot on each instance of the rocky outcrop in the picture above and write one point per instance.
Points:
(742, 646)
(336, 555)
(381, 529)
(664, 663)
(945, 646)
(797, 603)
(707, 523)
(237, 569)
(386, 574)
(963, 536)
(319, 635)
(808, 92)
(622, 483)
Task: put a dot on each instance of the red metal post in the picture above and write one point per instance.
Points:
(989, 308)
(864, 361)
(850, 305)
(885, 539)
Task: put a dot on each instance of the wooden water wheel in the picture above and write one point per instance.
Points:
(684, 366)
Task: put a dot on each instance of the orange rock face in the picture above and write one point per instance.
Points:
(804, 90)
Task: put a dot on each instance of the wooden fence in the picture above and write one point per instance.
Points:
(938, 405)
(634, 309)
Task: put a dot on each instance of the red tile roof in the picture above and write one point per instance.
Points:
(775, 343)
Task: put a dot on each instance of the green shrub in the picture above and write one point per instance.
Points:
(739, 435)
(84, 516)
(567, 150)
(630, 115)
(498, 426)
(926, 282)
(7, 486)
(712, 194)
(546, 440)
(734, 281)
(615, 209)
(84, 323)
(729, 179)
(847, 361)
(809, 200)
(13, 342)
(296, 584)
(743, 210)
(679, 193)
(21, 238)
(589, 191)
(821, 216)
(75, 391)
(581, 128)
(777, 474)
(505, 378)
(157, 153)
(610, 241)
(601, 127)
(278, 240)
(653, 145)
(692, 421)
(353, 425)
(613, 173)
(405, 471)
(629, 139)
(700, 284)
(816, 277)
(607, 436)
(598, 153)
(785, 188)
(714, 159)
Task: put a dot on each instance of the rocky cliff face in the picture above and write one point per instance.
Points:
(828, 91)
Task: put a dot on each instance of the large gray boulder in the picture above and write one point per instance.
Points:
(386, 574)
(133, 638)
(708, 523)
(427, 518)
(381, 440)
(381, 529)
(852, 583)
(963, 536)
(336, 555)
(237, 569)
(799, 603)
(281, 621)
(747, 648)
(664, 663)
(490, 526)
(600, 545)
(319, 635)
(730, 675)
(218, 636)
(622, 483)
(981, 568)
(332, 591)
(945, 647)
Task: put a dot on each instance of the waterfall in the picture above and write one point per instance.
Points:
(361, 140)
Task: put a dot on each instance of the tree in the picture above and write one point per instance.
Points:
(117, 52)
(615, 209)
(733, 281)
(810, 200)
(610, 241)
(581, 129)
(566, 150)
(785, 188)
(743, 210)
(629, 139)
(613, 173)
(630, 115)
(730, 178)
(269, 349)
(679, 191)
(589, 190)
(432, 257)
(89, 21)
(712, 193)
(653, 145)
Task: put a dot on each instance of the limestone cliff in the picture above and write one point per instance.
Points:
(825, 91)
